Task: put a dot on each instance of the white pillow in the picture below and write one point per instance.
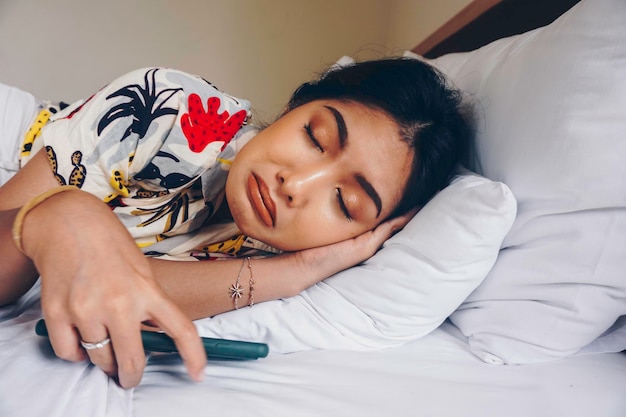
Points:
(553, 128)
(17, 111)
(403, 292)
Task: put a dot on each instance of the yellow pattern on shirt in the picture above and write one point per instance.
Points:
(33, 133)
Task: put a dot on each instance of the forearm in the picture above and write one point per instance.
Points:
(201, 289)
(17, 273)
(72, 225)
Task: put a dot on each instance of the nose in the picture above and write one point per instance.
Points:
(297, 185)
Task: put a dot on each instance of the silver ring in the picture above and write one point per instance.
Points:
(97, 345)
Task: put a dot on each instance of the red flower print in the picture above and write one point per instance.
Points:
(203, 127)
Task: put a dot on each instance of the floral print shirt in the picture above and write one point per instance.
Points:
(155, 145)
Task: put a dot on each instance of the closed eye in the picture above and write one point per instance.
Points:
(311, 136)
(342, 205)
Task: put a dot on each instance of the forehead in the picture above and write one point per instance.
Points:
(374, 148)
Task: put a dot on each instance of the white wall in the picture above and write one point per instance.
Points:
(256, 49)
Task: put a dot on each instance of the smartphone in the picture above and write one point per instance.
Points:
(224, 349)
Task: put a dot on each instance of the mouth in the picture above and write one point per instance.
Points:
(261, 200)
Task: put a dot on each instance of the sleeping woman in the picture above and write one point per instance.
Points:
(160, 166)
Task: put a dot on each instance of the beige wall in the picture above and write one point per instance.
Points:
(257, 49)
(411, 21)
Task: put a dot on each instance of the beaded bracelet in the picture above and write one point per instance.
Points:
(18, 223)
(251, 294)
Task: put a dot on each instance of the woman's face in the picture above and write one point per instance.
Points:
(324, 172)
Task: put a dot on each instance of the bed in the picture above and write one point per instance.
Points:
(506, 295)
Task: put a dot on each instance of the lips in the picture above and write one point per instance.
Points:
(261, 200)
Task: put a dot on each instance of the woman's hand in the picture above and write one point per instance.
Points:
(96, 284)
(330, 259)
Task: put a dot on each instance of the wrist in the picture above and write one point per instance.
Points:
(24, 215)
(304, 272)
(280, 276)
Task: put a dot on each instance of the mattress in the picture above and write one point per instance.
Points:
(436, 375)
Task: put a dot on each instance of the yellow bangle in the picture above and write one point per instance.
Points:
(18, 223)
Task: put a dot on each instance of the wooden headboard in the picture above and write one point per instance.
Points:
(483, 21)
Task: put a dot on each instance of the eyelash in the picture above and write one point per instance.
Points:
(314, 141)
(311, 136)
(342, 205)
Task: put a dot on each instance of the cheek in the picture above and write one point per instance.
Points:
(319, 230)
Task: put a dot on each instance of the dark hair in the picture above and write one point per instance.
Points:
(421, 101)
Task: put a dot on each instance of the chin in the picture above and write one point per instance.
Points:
(285, 247)
(278, 245)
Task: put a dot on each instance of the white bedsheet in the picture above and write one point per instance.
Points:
(434, 376)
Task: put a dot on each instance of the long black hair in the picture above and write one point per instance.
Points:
(419, 98)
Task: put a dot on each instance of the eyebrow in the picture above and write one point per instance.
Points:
(342, 130)
(371, 192)
(342, 133)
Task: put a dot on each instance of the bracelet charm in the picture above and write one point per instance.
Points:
(236, 290)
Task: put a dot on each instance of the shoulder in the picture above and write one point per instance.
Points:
(151, 80)
(191, 93)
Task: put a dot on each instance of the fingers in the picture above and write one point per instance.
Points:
(396, 224)
(118, 351)
(93, 308)
(129, 357)
(123, 357)
(96, 342)
(65, 341)
(374, 239)
(402, 220)
(177, 326)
